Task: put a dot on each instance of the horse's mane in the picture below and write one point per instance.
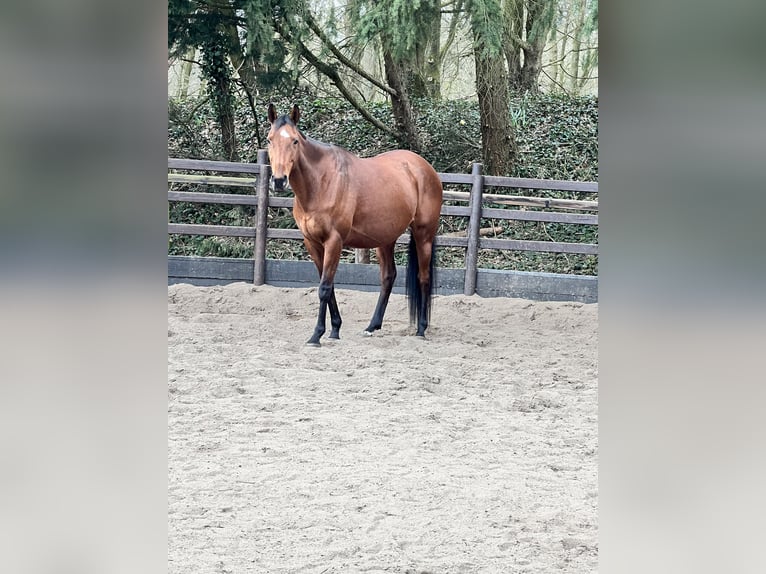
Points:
(341, 154)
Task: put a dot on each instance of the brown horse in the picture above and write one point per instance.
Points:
(343, 200)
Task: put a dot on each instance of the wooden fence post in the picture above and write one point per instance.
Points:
(474, 225)
(261, 219)
(362, 256)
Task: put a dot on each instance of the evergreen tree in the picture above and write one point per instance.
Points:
(407, 31)
(202, 26)
(498, 141)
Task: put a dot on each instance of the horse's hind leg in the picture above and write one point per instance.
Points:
(421, 272)
(387, 278)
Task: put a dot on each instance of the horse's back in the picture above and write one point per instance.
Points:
(405, 163)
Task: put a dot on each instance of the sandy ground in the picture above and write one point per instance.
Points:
(472, 451)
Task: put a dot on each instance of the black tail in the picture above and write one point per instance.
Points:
(412, 286)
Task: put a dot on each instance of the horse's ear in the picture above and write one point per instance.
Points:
(295, 115)
(272, 113)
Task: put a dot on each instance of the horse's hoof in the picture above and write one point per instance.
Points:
(313, 344)
(367, 333)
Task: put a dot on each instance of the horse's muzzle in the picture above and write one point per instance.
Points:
(279, 183)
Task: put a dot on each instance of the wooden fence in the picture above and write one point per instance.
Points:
(544, 285)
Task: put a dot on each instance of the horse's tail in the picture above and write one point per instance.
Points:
(412, 285)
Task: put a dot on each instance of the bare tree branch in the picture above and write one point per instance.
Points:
(343, 59)
(562, 88)
(335, 78)
(191, 61)
(452, 30)
(571, 51)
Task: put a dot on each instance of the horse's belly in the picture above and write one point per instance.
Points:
(369, 235)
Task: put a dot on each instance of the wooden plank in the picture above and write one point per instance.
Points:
(451, 210)
(212, 180)
(272, 233)
(441, 241)
(546, 246)
(483, 231)
(552, 184)
(449, 178)
(281, 202)
(526, 201)
(547, 203)
(587, 187)
(226, 166)
(456, 178)
(218, 198)
(459, 210)
(215, 230)
(449, 195)
(547, 216)
(404, 239)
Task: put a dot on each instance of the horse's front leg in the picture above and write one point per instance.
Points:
(327, 265)
(325, 294)
(335, 320)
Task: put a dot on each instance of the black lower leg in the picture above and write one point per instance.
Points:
(335, 320)
(424, 311)
(380, 309)
(325, 295)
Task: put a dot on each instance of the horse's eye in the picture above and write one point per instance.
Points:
(268, 141)
(295, 142)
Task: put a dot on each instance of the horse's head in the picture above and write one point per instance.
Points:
(284, 142)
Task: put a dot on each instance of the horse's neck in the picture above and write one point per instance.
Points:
(305, 176)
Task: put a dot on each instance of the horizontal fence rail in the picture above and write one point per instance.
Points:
(478, 207)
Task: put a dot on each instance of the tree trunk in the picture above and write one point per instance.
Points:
(574, 64)
(414, 74)
(530, 71)
(400, 103)
(215, 68)
(513, 19)
(433, 63)
(244, 65)
(186, 70)
(498, 143)
(554, 41)
(562, 51)
(226, 121)
(539, 20)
